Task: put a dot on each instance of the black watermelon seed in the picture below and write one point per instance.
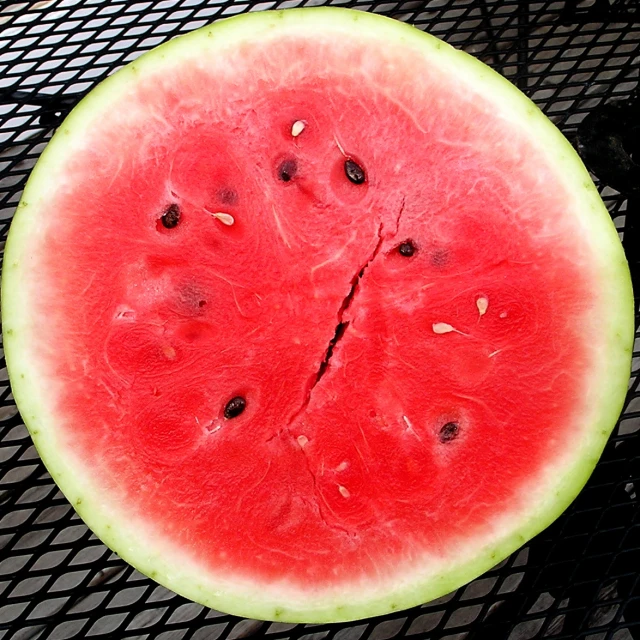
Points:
(287, 169)
(354, 171)
(449, 432)
(201, 303)
(171, 216)
(407, 248)
(235, 407)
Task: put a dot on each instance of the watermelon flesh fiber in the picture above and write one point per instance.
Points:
(399, 408)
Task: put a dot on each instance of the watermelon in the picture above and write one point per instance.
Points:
(313, 317)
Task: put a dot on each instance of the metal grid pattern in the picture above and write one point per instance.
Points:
(579, 579)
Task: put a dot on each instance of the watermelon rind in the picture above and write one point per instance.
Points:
(173, 568)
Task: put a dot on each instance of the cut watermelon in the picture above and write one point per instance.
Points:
(313, 317)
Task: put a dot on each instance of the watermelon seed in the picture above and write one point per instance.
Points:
(225, 218)
(449, 432)
(169, 352)
(302, 441)
(407, 248)
(442, 327)
(445, 327)
(482, 304)
(235, 407)
(171, 216)
(287, 169)
(201, 303)
(343, 491)
(354, 171)
(297, 128)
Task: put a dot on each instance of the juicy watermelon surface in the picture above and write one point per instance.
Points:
(157, 329)
(398, 407)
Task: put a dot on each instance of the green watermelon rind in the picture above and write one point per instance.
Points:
(553, 495)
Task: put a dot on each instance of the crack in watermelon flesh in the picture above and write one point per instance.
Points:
(335, 471)
(342, 326)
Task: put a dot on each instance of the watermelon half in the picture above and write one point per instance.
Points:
(313, 317)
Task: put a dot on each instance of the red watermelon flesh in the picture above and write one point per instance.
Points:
(416, 352)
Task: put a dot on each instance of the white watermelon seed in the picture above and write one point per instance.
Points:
(169, 352)
(343, 491)
(342, 466)
(442, 327)
(225, 218)
(482, 304)
(503, 314)
(297, 128)
(302, 440)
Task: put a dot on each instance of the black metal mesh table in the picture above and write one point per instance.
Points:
(580, 61)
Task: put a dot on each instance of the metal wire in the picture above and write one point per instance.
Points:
(578, 579)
